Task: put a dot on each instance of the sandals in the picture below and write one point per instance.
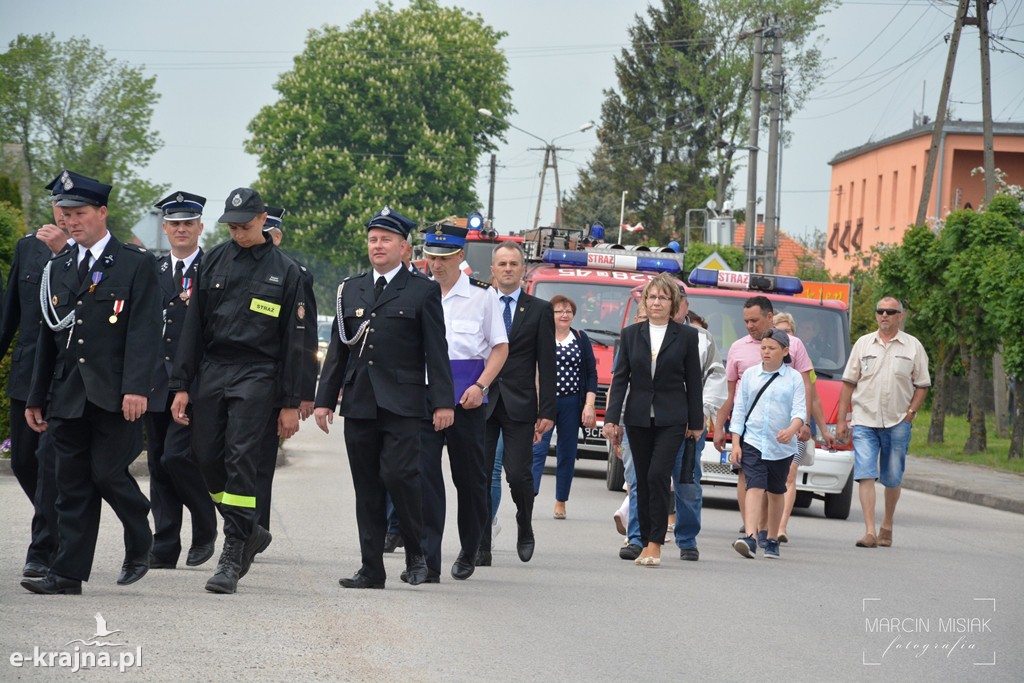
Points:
(868, 541)
(884, 537)
(648, 561)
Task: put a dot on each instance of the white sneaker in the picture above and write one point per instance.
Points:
(495, 528)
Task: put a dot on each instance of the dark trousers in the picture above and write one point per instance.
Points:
(175, 483)
(26, 467)
(93, 455)
(265, 469)
(230, 410)
(384, 456)
(517, 459)
(465, 440)
(654, 455)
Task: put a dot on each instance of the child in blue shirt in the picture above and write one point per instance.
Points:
(764, 439)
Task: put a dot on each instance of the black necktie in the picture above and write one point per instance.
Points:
(179, 275)
(378, 288)
(83, 267)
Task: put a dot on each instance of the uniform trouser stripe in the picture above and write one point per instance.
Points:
(238, 501)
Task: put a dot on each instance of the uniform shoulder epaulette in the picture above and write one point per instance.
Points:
(135, 248)
(479, 283)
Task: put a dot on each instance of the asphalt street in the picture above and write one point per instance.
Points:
(942, 604)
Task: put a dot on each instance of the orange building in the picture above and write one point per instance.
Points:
(876, 188)
(791, 254)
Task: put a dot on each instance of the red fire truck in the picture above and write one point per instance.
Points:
(823, 326)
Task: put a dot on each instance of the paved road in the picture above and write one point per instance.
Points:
(576, 612)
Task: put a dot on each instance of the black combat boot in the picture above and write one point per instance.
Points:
(257, 542)
(228, 568)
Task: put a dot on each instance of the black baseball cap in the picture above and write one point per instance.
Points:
(242, 205)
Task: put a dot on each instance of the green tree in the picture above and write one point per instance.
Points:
(1002, 298)
(67, 105)
(670, 132)
(382, 112)
(698, 251)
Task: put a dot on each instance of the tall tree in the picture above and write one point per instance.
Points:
(382, 112)
(671, 131)
(66, 105)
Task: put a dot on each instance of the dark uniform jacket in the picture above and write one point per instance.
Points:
(311, 344)
(174, 309)
(675, 391)
(404, 344)
(21, 312)
(103, 357)
(246, 311)
(526, 383)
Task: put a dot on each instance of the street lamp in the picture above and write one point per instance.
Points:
(550, 159)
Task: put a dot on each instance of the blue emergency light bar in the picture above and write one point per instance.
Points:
(611, 260)
(734, 279)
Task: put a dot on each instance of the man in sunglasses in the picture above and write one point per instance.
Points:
(885, 383)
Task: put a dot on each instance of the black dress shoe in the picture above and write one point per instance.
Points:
(360, 580)
(53, 585)
(200, 553)
(416, 572)
(392, 542)
(463, 568)
(525, 544)
(432, 576)
(483, 558)
(689, 554)
(157, 563)
(34, 570)
(630, 552)
(132, 571)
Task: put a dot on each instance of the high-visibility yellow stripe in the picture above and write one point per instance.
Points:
(239, 501)
(217, 497)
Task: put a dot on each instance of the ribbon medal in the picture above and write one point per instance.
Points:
(186, 289)
(118, 307)
(97, 277)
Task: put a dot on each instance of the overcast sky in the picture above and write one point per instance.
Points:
(216, 64)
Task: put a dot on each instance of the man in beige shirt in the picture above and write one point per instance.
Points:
(885, 382)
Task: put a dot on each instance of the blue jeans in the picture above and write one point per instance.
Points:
(633, 527)
(567, 422)
(881, 450)
(496, 478)
(689, 498)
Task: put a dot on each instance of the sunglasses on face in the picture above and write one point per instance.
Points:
(886, 311)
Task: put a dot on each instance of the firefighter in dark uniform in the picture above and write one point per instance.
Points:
(268, 449)
(94, 360)
(175, 481)
(477, 348)
(31, 454)
(240, 350)
(389, 355)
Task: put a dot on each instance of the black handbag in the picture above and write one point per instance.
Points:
(689, 460)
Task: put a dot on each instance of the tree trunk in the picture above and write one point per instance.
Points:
(937, 428)
(1000, 395)
(977, 441)
(1017, 433)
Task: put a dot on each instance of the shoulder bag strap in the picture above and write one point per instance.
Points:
(756, 398)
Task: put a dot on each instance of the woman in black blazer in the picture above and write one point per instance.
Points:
(659, 363)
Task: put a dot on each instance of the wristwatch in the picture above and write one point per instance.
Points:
(483, 389)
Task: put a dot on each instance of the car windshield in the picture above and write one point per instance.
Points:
(323, 331)
(822, 330)
(599, 307)
(478, 256)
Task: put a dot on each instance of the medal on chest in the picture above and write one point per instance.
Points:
(186, 290)
(97, 277)
(118, 307)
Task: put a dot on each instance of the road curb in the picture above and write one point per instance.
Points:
(963, 495)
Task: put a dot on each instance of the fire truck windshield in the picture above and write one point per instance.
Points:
(599, 307)
(478, 256)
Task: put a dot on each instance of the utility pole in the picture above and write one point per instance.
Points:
(989, 156)
(940, 115)
(771, 190)
(755, 122)
(550, 161)
(490, 197)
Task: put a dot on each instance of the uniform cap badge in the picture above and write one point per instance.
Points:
(236, 201)
(180, 198)
(386, 211)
